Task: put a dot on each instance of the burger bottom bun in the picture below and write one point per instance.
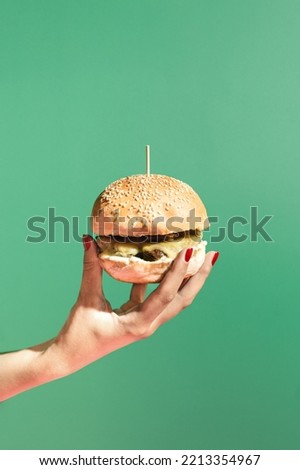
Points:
(138, 271)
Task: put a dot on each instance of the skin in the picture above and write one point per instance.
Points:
(94, 330)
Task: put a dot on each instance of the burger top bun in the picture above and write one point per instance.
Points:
(147, 205)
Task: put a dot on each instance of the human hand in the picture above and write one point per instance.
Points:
(94, 329)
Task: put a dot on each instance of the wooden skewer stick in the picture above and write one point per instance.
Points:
(148, 160)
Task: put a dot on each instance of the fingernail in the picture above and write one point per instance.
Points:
(86, 242)
(188, 254)
(215, 257)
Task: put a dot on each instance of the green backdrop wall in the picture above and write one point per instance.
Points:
(213, 86)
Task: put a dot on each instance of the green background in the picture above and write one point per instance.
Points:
(213, 87)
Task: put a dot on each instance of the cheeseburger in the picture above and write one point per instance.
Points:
(142, 222)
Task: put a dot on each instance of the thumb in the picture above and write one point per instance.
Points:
(91, 283)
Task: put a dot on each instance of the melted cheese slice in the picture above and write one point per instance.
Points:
(170, 248)
(122, 249)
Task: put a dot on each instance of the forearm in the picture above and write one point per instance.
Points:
(25, 369)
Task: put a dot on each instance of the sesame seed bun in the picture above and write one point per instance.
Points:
(147, 205)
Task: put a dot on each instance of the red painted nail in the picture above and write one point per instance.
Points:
(188, 254)
(215, 257)
(86, 242)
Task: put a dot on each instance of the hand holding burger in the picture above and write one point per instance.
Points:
(149, 230)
